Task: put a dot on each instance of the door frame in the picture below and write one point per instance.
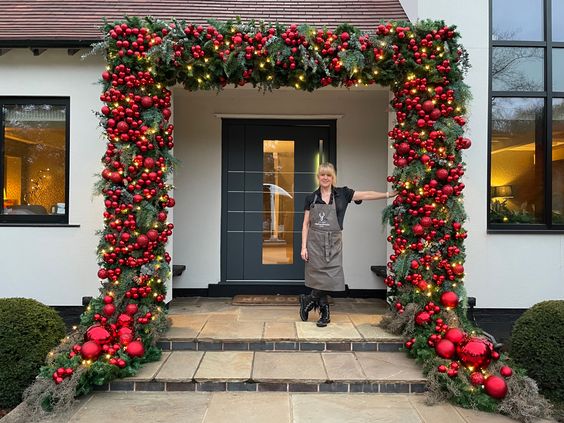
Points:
(331, 124)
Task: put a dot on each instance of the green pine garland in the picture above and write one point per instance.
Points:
(423, 64)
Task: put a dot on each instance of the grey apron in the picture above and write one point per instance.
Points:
(324, 268)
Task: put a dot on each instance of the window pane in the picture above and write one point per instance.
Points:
(557, 19)
(558, 161)
(517, 20)
(278, 202)
(517, 161)
(557, 67)
(517, 69)
(34, 159)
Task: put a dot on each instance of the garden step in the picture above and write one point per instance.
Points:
(290, 371)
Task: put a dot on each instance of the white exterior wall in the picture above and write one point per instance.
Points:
(57, 265)
(361, 163)
(502, 270)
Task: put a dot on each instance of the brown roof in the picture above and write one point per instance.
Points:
(64, 22)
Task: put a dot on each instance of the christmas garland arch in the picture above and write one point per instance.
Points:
(423, 64)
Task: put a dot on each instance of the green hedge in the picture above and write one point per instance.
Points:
(537, 344)
(28, 331)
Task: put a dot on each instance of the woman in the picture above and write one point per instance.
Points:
(322, 240)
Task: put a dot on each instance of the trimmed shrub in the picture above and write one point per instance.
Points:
(537, 344)
(28, 331)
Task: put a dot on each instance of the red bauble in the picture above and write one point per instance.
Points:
(142, 240)
(445, 348)
(449, 299)
(166, 113)
(161, 216)
(109, 310)
(149, 162)
(102, 273)
(135, 349)
(124, 330)
(98, 334)
(105, 110)
(506, 371)
(125, 339)
(418, 230)
(122, 126)
(146, 102)
(403, 148)
(441, 174)
(131, 309)
(426, 221)
(115, 177)
(435, 114)
(108, 299)
(495, 387)
(90, 350)
(477, 378)
(124, 320)
(455, 335)
(475, 352)
(152, 234)
(422, 318)
(447, 190)
(458, 269)
(428, 106)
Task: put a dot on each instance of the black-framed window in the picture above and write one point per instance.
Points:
(34, 159)
(526, 127)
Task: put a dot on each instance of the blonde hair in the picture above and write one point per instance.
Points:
(329, 169)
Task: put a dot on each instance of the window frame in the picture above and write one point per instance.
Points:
(31, 220)
(547, 95)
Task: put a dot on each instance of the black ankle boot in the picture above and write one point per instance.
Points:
(307, 303)
(324, 316)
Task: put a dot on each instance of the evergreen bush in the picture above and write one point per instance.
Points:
(537, 344)
(28, 331)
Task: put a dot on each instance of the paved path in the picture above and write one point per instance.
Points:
(271, 407)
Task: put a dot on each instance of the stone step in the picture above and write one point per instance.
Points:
(290, 371)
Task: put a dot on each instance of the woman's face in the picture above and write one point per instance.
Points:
(325, 179)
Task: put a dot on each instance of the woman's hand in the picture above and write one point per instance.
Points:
(304, 254)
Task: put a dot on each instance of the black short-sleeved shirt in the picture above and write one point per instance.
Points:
(343, 196)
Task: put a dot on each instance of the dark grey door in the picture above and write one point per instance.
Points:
(268, 169)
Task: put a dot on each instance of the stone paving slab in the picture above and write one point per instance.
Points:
(304, 367)
(180, 366)
(437, 413)
(359, 408)
(259, 407)
(333, 331)
(342, 367)
(231, 330)
(148, 371)
(380, 366)
(375, 333)
(232, 366)
(267, 314)
(144, 407)
(280, 331)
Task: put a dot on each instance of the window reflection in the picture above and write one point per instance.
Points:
(517, 161)
(518, 20)
(558, 161)
(278, 202)
(557, 19)
(34, 159)
(557, 66)
(517, 69)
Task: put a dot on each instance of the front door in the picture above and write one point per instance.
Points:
(268, 169)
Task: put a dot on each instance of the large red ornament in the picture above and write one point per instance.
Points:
(90, 350)
(435, 114)
(149, 162)
(441, 174)
(102, 273)
(475, 352)
(403, 148)
(166, 113)
(98, 334)
(131, 309)
(428, 106)
(495, 387)
(418, 230)
(426, 221)
(142, 240)
(458, 269)
(122, 126)
(506, 371)
(449, 299)
(135, 349)
(445, 348)
(146, 102)
(152, 234)
(455, 335)
(109, 310)
(477, 378)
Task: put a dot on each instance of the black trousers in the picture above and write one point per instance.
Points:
(321, 296)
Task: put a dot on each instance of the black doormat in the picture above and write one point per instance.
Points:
(285, 300)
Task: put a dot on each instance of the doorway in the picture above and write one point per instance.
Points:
(269, 167)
